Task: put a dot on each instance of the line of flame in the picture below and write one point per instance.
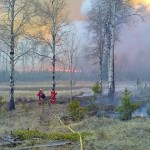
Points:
(146, 3)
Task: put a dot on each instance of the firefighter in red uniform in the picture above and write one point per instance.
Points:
(53, 97)
(39, 94)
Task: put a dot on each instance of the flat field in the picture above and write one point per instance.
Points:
(30, 89)
(107, 133)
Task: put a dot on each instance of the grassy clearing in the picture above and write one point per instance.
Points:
(108, 134)
(29, 90)
(61, 85)
(29, 134)
(117, 135)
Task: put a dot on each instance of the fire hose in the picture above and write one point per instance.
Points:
(81, 141)
(80, 137)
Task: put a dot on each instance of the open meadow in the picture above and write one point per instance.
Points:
(34, 125)
(74, 75)
(30, 89)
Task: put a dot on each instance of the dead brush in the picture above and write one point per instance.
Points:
(102, 135)
(25, 106)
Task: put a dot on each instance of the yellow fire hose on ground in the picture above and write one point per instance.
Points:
(81, 141)
(80, 137)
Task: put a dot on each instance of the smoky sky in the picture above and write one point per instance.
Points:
(132, 52)
(133, 49)
(74, 9)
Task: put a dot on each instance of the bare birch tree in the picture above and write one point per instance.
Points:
(118, 13)
(97, 48)
(108, 16)
(71, 53)
(53, 17)
(16, 14)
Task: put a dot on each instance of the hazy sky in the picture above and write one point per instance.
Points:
(133, 50)
(74, 9)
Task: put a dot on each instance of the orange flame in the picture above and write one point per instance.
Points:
(146, 3)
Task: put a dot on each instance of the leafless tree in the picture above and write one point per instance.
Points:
(119, 12)
(53, 17)
(105, 19)
(96, 27)
(16, 14)
(71, 53)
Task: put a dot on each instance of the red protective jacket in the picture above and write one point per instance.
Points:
(39, 94)
(53, 97)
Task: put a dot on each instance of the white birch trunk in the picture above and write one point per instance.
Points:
(53, 47)
(53, 52)
(100, 80)
(100, 73)
(12, 104)
(53, 63)
(111, 82)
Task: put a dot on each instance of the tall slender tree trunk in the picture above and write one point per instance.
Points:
(6, 67)
(23, 64)
(3, 65)
(71, 78)
(100, 74)
(12, 104)
(33, 62)
(54, 61)
(111, 80)
(54, 49)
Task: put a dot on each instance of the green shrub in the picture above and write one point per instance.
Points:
(75, 111)
(127, 107)
(29, 134)
(1, 100)
(96, 88)
(148, 111)
(2, 109)
(92, 106)
(81, 113)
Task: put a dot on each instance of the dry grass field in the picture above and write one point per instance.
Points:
(30, 89)
(107, 133)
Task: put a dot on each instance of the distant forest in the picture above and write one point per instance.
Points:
(80, 76)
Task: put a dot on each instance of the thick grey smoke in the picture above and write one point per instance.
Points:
(133, 50)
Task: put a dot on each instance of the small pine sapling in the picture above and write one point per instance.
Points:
(97, 91)
(96, 88)
(1, 100)
(127, 107)
(76, 112)
(148, 110)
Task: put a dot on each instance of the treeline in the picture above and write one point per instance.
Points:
(45, 76)
(80, 76)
